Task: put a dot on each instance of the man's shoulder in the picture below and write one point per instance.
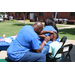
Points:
(27, 26)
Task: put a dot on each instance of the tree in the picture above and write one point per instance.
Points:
(23, 15)
(3, 13)
(15, 12)
(36, 15)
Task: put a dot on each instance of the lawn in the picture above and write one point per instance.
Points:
(10, 28)
(69, 33)
(59, 26)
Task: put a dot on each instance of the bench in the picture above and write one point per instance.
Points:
(71, 22)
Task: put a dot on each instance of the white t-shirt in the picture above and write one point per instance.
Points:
(53, 48)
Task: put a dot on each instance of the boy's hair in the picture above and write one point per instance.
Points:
(56, 34)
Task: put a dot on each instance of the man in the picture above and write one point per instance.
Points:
(26, 48)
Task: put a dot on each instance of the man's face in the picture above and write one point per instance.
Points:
(39, 29)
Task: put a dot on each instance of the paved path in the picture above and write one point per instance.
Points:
(3, 54)
(68, 26)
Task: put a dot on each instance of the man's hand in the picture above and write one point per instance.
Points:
(42, 44)
(47, 38)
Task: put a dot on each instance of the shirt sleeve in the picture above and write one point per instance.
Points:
(50, 49)
(35, 44)
(47, 34)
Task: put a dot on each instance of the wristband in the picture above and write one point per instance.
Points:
(45, 42)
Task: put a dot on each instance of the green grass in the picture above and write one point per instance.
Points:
(10, 28)
(59, 26)
(69, 33)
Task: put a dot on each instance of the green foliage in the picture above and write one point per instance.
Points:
(12, 19)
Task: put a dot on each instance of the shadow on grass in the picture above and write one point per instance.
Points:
(22, 24)
(67, 31)
(72, 53)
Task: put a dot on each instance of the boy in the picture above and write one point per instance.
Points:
(54, 46)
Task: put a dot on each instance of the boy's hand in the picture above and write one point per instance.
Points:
(47, 38)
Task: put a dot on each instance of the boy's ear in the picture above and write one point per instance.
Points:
(53, 35)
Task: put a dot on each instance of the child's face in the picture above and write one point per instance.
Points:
(51, 37)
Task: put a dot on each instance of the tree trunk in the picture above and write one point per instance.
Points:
(3, 19)
(37, 17)
(24, 18)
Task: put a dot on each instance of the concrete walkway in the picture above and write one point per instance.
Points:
(68, 26)
(3, 54)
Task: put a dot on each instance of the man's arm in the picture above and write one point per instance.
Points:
(43, 44)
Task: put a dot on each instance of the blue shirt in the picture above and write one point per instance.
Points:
(48, 28)
(26, 40)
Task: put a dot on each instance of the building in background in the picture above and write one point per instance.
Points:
(42, 16)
